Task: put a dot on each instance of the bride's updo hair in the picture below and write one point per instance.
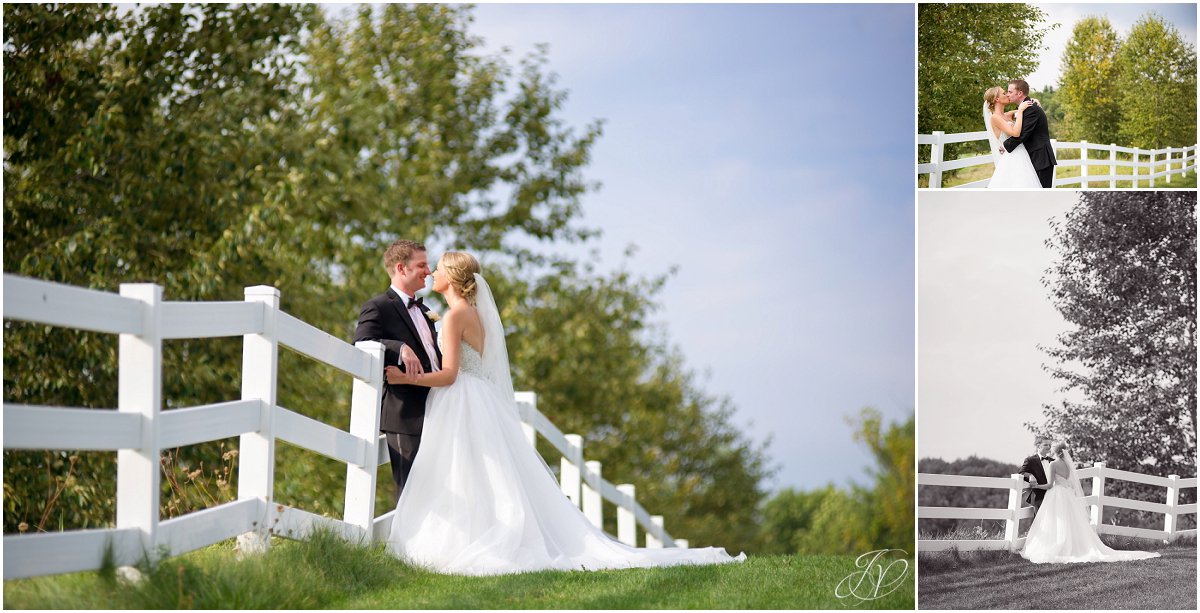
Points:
(1059, 448)
(460, 269)
(991, 95)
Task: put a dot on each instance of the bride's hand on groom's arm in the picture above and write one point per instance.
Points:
(395, 376)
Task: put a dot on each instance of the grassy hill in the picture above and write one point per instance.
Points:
(326, 573)
(1005, 580)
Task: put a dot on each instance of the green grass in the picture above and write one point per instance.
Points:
(1005, 580)
(978, 173)
(326, 573)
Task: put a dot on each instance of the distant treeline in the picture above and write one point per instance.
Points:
(963, 497)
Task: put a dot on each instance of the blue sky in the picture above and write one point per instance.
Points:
(761, 149)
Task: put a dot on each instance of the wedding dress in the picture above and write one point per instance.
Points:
(1013, 169)
(1062, 533)
(481, 501)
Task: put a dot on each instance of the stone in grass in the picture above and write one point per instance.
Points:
(130, 575)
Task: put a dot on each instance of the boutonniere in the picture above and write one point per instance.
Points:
(432, 316)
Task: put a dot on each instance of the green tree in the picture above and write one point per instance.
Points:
(890, 499)
(1157, 86)
(188, 146)
(857, 519)
(1089, 92)
(1126, 282)
(788, 514)
(962, 50)
(838, 526)
(208, 148)
(1052, 105)
(141, 145)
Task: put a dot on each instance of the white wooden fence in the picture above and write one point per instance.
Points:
(138, 430)
(1097, 500)
(1184, 157)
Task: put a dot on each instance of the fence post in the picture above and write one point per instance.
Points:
(626, 523)
(593, 503)
(568, 475)
(1153, 160)
(139, 391)
(652, 541)
(256, 450)
(681, 543)
(1013, 523)
(365, 397)
(1083, 166)
(1137, 153)
(1098, 492)
(1170, 165)
(1172, 525)
(1112, 165)
(935, 158)
(526, 427)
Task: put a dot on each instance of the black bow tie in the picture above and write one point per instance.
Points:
(415, 302)
(1047, 458)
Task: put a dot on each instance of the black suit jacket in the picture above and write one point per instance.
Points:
(1033, 466)
(1035, 133)
(384, 319)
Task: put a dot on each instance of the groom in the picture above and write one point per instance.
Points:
(1035, 133)
(1034, 471)
(398, 320)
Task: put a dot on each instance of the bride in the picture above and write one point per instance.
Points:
(1060, 531)
(1013, 169)
(480, 500)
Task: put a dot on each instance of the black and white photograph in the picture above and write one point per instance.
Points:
(1057, 400)
(1040, 95)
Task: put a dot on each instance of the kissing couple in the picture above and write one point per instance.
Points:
(1025, 158)
(1061, 531)
(477, 499)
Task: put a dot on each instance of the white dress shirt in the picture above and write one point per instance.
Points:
(422, 324)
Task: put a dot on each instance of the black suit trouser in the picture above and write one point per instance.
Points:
(1046, 176)
(402, 450)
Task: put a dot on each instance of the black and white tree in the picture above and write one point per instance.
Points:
(1125, 281)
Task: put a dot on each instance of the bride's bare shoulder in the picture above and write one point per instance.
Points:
(464, 315)
(1060, 466)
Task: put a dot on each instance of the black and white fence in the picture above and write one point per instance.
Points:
(1097, 500)
(1159, 163)
(139, 430)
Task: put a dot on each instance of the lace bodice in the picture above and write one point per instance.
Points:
(469, 360)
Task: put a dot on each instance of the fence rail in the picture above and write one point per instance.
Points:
(1184, 157)
(1012, 514)
(138, 430)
